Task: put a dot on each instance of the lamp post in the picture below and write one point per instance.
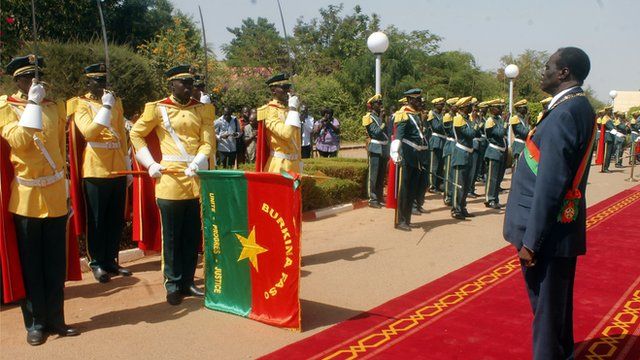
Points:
(612, 95)
(378, 43)
(511, 71)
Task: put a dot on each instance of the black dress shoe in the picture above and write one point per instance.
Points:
(472, 195)
(374, 204)
(422, 210)
(457, 215)
(467, 213)
(101, 275)
(415, 211)
(63, 330)
(119, 270)
(192, 291)
(174, 298)
(403, 227)
(494, 205)
(431, 190)
(35, 337)
(382, 203)
(447, 202)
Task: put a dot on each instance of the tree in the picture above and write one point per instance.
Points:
(256, 44)
(527, 84)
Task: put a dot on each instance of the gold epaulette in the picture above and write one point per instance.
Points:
(366, 119)
(262, 112)
(459, 121)
(447, 118)
(400, 116)
(514, 120)
(72, 104)
(489, 124)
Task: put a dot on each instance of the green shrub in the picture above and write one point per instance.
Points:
(317, 194)
(131, 76)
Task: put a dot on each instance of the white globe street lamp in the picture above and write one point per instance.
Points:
(511, 71)
(378, 43)
(612, 95)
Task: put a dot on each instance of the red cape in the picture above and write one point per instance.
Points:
(262, 147)
(12, 281)
(600, 152)
(392, 179)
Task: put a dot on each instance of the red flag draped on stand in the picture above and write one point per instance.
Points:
(77, 145)
(600, 151)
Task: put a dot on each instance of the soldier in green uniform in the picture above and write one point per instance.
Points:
(495, 132)
(409, 148)
(634, 127)
(620, 125)
(609, 138)
(378, 150)
(423, 184)
(447, 124)
(520, 127)
(464, 132)
(482, 142)
(477, 122)
(436, 145)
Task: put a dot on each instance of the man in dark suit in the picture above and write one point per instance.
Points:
(546, 211)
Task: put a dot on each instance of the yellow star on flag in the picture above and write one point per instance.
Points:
(250, 249)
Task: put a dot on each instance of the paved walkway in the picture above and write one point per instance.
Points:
(351, 263)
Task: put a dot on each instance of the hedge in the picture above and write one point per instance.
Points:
(348, 181)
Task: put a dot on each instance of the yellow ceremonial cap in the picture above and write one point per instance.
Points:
(521, 103)
(452, 101)
(546, 100)
(609, 107)
(474, 100)
(403, 100)
(374, 98)
(464, 101)
(482, 105)
(495, 102)
(437, 100)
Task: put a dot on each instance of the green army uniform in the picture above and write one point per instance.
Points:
(609, 139)
(412, 147)
(480, 146)
(424, 182)
(436, 144)
(520, 131)
(461, 159)
(447, 124)
(496, 132)
(620, 137)
(378, 150)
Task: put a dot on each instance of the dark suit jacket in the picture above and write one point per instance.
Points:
(535, 200)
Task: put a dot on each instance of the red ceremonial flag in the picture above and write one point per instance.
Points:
(600, 151)
(146, 229)
(392, 180)
(251, 226)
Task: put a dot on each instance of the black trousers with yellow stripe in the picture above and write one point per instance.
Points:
(42, 248)
(494, 168)
(461, 187)
(377, 175)
(409, 185)
(105, 198)
(608, 152)
(436, 169)
(448, 176)
(181, 234)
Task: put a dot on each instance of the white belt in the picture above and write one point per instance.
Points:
(478, 139)
(439, 135)
(450, 139)
(414, 145)
(462, 147)
(620, 135)
(281, 155)
(635, 133)
(494, 146)
(41, 181)
(381, 142)
(178, 158)
(519, 140)
(104, 145)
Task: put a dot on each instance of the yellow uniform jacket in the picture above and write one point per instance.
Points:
(106, 148)
(29, 162)
(193, 126)
(284, 140)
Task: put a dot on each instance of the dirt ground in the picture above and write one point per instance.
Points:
(352, 262)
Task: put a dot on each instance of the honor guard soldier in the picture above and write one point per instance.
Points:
(436, 145)
(634, 127)
(479, 143)
(520, 127)
(447, 151)
(409, 148)
(464, 131)
(279, 136)
(609, 137)
(378, 149)
(423, 183)
(98, 120)
(33, 132)
(496, 134)
(620, 126)
(185, 134)
(599, 115)
(482, 142)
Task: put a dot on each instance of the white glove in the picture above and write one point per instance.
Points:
(108, 98)
(294, 102)
(103, 117)
(144, 157)
(36, 92)
(614, 132)
(199, 163)
(205, 99)
(31, 117)
(293, 118)
(394, 151)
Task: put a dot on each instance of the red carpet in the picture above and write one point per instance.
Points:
(481, 311)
